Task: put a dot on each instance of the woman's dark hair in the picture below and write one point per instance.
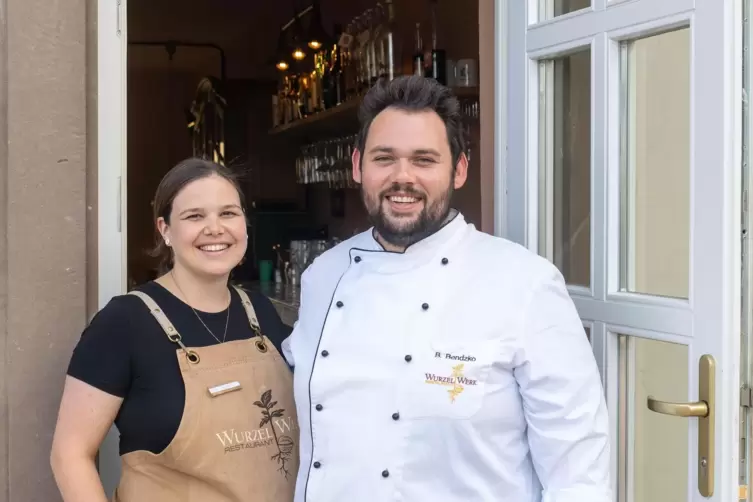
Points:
(172, 183)
(414, 93)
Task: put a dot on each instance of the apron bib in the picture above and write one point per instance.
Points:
(238, 437)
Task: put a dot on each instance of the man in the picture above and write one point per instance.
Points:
(434, 362)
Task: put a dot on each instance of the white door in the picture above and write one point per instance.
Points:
(111, 181)
(623, 159)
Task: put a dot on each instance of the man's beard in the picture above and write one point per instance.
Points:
(404, 233)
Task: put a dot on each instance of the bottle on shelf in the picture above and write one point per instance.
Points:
(317, 84)
(369, 41)
(347, 63)
(376, 45)
(364, 61)
(418, 54)
(388, 42)
(301, 100)
(438, 64)
(328, 76)
(357, 55)
(338, 83)
(288, 100)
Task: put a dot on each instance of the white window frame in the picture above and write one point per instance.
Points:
(515, 188)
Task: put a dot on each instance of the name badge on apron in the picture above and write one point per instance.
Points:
(219, 390)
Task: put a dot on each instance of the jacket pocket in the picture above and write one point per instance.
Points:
(446, 380)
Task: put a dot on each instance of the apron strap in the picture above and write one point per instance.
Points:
(249, 308)
(167, 326)
(261, 344)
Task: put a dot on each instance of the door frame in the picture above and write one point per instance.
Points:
(501, 117)
(111, 184)
(515, 186)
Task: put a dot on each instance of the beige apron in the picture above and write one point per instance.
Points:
(238, 438)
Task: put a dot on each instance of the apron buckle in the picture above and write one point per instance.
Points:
(192, 356)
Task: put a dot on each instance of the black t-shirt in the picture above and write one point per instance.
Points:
(125, 352)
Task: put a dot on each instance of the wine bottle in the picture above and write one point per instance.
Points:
(302, 98)
(338, 82)
(438, 67)
(315, 84)
(371, 45)
(288, 100)
(347, 62)
(379, 29)
(335, 69)
(341, 86)
(389, 42)
(315, 92)
(364, 63)
(327, 77)
(418, 55)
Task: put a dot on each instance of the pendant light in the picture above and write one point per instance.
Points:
(298, 43)
(317, 36)
(282, 54)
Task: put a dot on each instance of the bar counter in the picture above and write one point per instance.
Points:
(284, 297)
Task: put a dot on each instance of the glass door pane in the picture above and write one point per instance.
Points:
(655, 146)
(565, 165)
(552, 8)
(653, 448)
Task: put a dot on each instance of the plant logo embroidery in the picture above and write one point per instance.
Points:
(285, 444)
(456, 381)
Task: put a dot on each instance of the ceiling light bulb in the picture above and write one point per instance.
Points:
(298, 54)
(315, 44)
(282, 66)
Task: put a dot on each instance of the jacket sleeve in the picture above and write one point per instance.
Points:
(563, 398)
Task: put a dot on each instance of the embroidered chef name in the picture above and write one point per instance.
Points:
(235, 440)
(454, 357)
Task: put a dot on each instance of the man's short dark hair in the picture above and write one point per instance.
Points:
(414, 93)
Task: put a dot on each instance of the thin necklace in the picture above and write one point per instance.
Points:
(227, 319)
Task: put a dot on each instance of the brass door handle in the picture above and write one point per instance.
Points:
(704, 410)
(698, 409)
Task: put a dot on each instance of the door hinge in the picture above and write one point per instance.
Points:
(746, 397)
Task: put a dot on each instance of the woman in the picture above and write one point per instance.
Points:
(202, 399)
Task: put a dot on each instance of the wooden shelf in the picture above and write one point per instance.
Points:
(341, 120)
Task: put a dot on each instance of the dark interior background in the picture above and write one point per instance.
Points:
(160, 89)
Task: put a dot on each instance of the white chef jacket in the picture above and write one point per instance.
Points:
(457, 371)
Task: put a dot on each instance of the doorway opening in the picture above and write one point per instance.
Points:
(224, 81)
(202, 78)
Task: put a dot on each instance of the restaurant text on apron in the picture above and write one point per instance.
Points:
(238, 437)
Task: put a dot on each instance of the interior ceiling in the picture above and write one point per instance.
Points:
(246, 29)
